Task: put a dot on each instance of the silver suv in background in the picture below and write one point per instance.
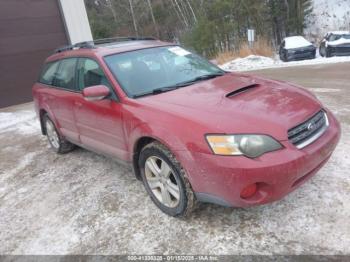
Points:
(335, 44)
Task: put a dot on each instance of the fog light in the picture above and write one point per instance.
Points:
(249, 191)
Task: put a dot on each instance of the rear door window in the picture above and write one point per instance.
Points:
(65, 77)
(48, 74)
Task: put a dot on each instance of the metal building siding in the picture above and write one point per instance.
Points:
(29, 31)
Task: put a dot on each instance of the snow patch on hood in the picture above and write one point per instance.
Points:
(338, 32)
(296, 42)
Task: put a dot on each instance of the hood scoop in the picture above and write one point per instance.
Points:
(242, 90)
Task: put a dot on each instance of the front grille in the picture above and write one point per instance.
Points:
(304, 52)
(303, 55)
(308, 131)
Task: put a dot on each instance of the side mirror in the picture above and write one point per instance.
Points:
(95, 93)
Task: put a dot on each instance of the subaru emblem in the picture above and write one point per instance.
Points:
(310, 126)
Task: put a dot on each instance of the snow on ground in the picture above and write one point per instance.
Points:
(254, 62)
(23, 122)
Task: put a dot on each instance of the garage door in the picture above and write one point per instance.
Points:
(29, 31)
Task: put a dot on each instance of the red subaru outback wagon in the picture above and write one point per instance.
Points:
(191, 131)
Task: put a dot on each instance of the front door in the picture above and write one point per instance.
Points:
(100, 123)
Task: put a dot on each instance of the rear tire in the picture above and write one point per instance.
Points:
(58, 143)
(281, 58)
(166, 181)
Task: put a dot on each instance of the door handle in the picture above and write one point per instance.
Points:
(78, 104)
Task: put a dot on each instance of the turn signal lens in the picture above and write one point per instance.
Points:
(224, 145)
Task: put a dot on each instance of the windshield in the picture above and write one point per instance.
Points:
(337, 37)
(145, 71)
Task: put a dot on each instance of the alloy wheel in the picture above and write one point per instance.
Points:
(52, 134)
(161, 180)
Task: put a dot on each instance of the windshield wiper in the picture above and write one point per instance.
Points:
(199, 78)
(176, 86)
(157, 91)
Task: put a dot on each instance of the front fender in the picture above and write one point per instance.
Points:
(158, 133)
(182, 153)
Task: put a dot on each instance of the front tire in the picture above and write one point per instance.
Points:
(321, 51)
(166, 181)
(56, 141)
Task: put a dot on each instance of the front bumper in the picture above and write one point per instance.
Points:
(340, 54)
(301, 56)
(339, 51)
(220, 179)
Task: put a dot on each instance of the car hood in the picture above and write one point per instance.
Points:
(237, 103)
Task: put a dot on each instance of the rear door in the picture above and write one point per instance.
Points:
(63, 96)
(100, 123)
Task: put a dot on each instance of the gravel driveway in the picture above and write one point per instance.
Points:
(84, 203)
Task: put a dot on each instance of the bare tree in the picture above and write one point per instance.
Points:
(133, 17)
(177, 13)
(153, 19)
(191, 9)
(181, 13)
(108, 4)
(287, 13)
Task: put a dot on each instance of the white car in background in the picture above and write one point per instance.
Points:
(335, 43)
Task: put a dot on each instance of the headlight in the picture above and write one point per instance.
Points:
(249, 145)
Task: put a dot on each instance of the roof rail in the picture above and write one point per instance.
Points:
(63, 48)
(92, 44)
(86, 44)
(121, 39)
